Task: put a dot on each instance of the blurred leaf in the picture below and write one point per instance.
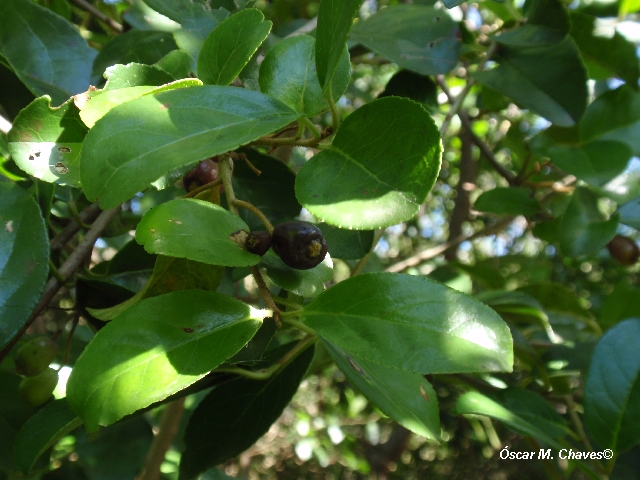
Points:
(228, 48)
(416, 37)
(14, 412)
(411, 323)
(507, 201)
(404, 396)
(306, 283)
(604, 56)
(620, 304)
(25, 258)
(612, 389)
(347, 244)
(45, 142)
(548, 23)
(381, 179)
(548, 79)
(583, 229)
(45, 51)
(121, 157)
(171, 341)
(335, 18)
(197, 230)
(43, 430)
(288, 74)
(236, 414)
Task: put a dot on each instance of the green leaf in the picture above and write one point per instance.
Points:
(382, 164)
(604, 56)
(157, 348)
(306, 283)
(273, 192)
(134, 46)
(630, 213)
(25, 258)
(197, 230)
(548, 23)
(170, 274)
(507, 201)
(411, 323)
(43, 430)
(44, 50)
(45, 142)
(404, 396)
(176, 63)
(230, 46)
(101, 102)
(137, 142)
(14, 412)
(614, 115)
(596, 162)
(612, 389)
(620, 304)
(334, 22)
(583, 229)
(135, 75)
(236, 414)
(416, 87)
(288, 74)
(347, 244)
(532, 425)
(548, 79)
(416, 37)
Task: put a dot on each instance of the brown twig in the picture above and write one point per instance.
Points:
(167, 429)
(67, 269)
(266, 295)
(206, 186)
(87, 215)
(87, 7)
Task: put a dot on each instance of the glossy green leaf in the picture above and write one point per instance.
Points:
(253, 351)
(273, 191)
(306, 283)
(134, 46)
(411, 323)
(335, 18)
(614, 115)
(25, 258)
(507, 201)
(236, 414)
(416, 37)
(532, 425)
(347, 244)
(197, 230)
(141, 140)
(379, 169)
(416, 87)
(155, 349)
(45, 142)
(406, 397)
(583, 229)
(612, 389)
(170, 274)
(230, 46)
(101, 102)
(176, 63)
(604, 56)
(548, 23)
(135, 75)
(596, 162)
(43, 430)
(548, 79)
(288, 74)
(630, 213)
(44, 50)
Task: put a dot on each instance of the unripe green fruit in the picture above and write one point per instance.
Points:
(300, 245)
(37, 390)
(624, 250)
(35, 356)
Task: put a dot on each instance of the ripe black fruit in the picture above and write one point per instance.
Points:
(299, 244)
(624, 250)
(205, 172)
(258, 242)
(35, 356)
(37, 390)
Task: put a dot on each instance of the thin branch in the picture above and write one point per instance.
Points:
(87, 215)
(167, 430)
(252, 208)
(363, 261)
(87, 7)
(67, 269)
(225, 174)
(206, 186)
(430, 253)
(266, 295)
